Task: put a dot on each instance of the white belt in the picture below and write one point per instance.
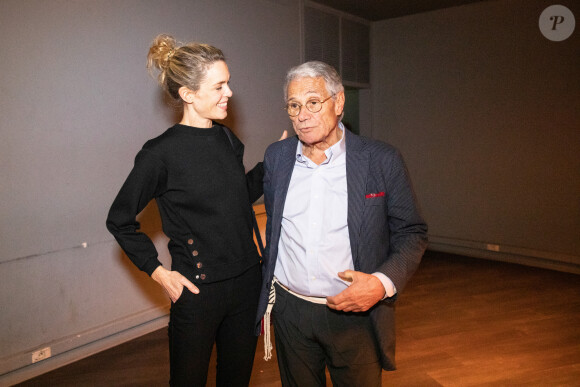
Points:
(315, 300)
(271, 300)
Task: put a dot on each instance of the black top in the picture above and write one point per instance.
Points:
(204, 197)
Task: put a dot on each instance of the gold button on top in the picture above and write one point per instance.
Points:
(199, 265)
(190, 241)
(195, 253)
(203, 276)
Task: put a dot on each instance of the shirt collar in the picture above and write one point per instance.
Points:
(331, 153)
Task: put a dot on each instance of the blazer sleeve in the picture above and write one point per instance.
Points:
(407, 229)
(145, 182)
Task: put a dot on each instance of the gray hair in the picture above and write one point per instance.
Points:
(315, 69)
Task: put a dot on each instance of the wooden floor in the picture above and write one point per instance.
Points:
(461, 322)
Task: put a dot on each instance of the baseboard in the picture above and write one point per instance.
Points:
(82, 345)
(523, 256)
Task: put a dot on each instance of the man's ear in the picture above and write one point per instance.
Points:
(186, 94)
(339, 103)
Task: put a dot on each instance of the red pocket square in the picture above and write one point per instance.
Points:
(375, 195)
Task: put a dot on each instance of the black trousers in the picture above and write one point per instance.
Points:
(222, 313)
(311, 337)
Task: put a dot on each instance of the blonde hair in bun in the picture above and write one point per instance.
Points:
(180, 65)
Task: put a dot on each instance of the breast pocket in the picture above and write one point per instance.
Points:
(375, 198)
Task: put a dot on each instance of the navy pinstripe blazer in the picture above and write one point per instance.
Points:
(387, 233)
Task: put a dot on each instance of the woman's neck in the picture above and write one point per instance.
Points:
(191, 118)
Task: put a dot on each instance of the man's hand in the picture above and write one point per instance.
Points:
(173, 282)
(365, 291)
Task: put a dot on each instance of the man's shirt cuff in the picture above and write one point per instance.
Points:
(390, 289)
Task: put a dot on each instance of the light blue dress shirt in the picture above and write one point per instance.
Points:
(314, 242)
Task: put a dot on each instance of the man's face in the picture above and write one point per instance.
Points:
(320, 127)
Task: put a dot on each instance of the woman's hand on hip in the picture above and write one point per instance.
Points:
(173, 282)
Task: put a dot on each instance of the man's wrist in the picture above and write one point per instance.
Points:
(390, 289)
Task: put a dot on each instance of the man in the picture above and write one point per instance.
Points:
(343, 236)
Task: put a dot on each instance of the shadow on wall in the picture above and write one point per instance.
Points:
(151, 225)
(172, 112)
(232, 121)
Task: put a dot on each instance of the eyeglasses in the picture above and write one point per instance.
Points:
(313, 106)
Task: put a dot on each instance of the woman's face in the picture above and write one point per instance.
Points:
(210, 102)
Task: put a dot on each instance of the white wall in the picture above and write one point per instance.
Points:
(486, 112)
(76, 104)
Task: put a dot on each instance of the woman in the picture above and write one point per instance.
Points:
(195, 173)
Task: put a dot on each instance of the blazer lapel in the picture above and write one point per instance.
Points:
(281, 182)
(357, 169)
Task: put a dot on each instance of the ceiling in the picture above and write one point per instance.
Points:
(374, 10)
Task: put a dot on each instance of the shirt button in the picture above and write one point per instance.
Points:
(195, 253)
(196, 277)
(190, 241)
(203, 276)
(199, 265)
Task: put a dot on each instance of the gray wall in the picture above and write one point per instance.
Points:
(486, 112)
(76, 104)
